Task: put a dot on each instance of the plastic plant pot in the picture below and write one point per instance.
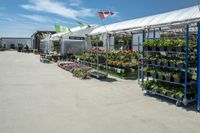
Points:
(154, 75)
(179, 49)
(161, 48)
(171, 49)
(165, 63)
(170, 94)
(153, 62)
(160, 77)
(158, 62)
(181, 65)
(147, 74)
(153, 48)
(146, 48)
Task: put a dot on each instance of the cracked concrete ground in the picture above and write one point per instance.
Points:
(42, 98)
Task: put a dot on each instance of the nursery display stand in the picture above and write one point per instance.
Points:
(185, 84)
(97, 74)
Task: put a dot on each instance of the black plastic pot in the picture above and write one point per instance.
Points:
(153, 48)
(147, 74)
(160, 77)
(181, 65)
(158, 62)
(146, 48)
(166, 63)
(179, 49)
(154, 75)
(171, 49)
(153, 62)
(147, 62)
(170, 94)
(161, 48)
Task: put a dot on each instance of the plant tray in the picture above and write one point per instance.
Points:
(98, 75)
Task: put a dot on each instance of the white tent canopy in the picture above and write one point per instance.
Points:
(181, 15)
(74, 31)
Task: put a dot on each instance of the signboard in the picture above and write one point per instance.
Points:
(76, 38)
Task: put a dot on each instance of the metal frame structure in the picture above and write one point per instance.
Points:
(185, 101)
(198, 70)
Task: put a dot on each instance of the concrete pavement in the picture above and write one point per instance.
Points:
(42, 98)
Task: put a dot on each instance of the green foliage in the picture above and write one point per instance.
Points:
(82, 72)
(97, 42)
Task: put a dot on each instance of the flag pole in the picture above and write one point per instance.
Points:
(106, 47)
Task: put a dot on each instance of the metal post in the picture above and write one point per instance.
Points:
(198, 68)
(143, 39)
(154, 34)
(186, 64)
(138, 59)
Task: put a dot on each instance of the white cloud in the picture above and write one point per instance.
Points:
(45, 19)
(58, 8)
(75, 2)
(36, 18)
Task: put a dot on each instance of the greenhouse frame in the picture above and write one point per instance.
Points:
(143, 29)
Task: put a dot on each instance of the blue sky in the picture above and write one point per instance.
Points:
(23, 17)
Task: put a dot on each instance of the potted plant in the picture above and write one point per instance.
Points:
(146, 46)
(179, 94)
(172, 63)
(153, 60)
(160, 75)
(147, 85)
(180, 45)
(147, 60)
(163, 90)
(152, 44)
(170, 93)
(165, 62)
(159, 60)
(167, 76)
(168, 44)
(161, 46)
(153, 73)
(180, 64)
(176, 77)
(146, 72)
(155, 88)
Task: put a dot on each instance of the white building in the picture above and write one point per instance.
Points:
(74, 41)
(14, 42)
